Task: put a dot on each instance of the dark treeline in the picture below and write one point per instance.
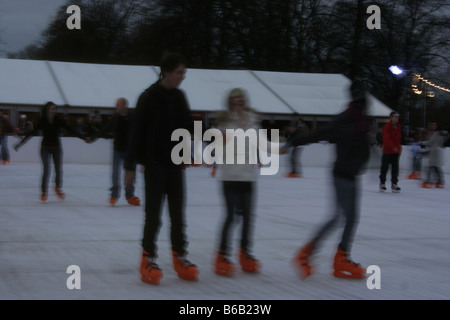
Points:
(325, 36)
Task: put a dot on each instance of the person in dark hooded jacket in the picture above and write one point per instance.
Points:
(350, 133)
(161, 109)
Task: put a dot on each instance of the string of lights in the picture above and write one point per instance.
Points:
(431, 84)
(416, 78)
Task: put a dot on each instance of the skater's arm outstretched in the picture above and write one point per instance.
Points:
(33, 132)
(327, 133)
(108, 127)
(63, 123)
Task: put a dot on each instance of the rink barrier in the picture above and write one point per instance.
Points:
(100, 152)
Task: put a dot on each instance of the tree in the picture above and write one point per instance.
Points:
(414, 35)
(327, 36)
(103, 36)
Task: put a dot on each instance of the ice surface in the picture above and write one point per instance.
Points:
(406, 235)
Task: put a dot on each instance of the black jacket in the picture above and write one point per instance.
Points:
(350, 132)
(158, 113)
(120, 127)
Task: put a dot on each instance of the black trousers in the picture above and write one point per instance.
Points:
(386, 161)
(46, 154)
(295, 160)
(162, 181)
(238, 199)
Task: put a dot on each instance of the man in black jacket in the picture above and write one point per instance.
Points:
(349, 131)
(300, 129)
(160, 110)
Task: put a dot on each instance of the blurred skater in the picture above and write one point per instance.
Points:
(238, 186)
(300, 129)
(160, 110)
(417, 152)
(436, 143)
(375, 142)
(349, 130)
(50, 124)
(5, 128)
(24, 126)
(392, 149)
(120, 126)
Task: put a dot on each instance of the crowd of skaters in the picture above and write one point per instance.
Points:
(144, 137)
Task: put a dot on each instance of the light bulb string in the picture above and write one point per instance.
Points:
(431, 84)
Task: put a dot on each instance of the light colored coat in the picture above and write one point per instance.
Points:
(238, 172)
(436, 145)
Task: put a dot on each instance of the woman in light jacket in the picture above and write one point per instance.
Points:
(238, 183)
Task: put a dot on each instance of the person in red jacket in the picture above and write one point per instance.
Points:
(392, 148)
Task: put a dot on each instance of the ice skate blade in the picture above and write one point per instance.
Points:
(190, 273)
(341, 274)
(224, 273)
(303, 270)
(251, 270)
(151, 280)
(188, 277)
(250, 266)
(61, 195)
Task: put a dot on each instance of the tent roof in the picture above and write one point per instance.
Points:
(207, 89)
(99, 85)
(27, 82)
(32, 82)
(315, 93)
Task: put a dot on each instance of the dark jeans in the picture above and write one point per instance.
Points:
(238, 199)
(417, 164)
(386, 161)
(295, 160)
(118, 158)
(56, 154)
(4, 148)
(160, 181)
(347, 207)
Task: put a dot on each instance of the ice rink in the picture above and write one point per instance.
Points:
(406, 235)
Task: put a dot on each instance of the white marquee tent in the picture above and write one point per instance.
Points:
(27, 82)
(314, 93)
(207, 90)
(26, 85)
